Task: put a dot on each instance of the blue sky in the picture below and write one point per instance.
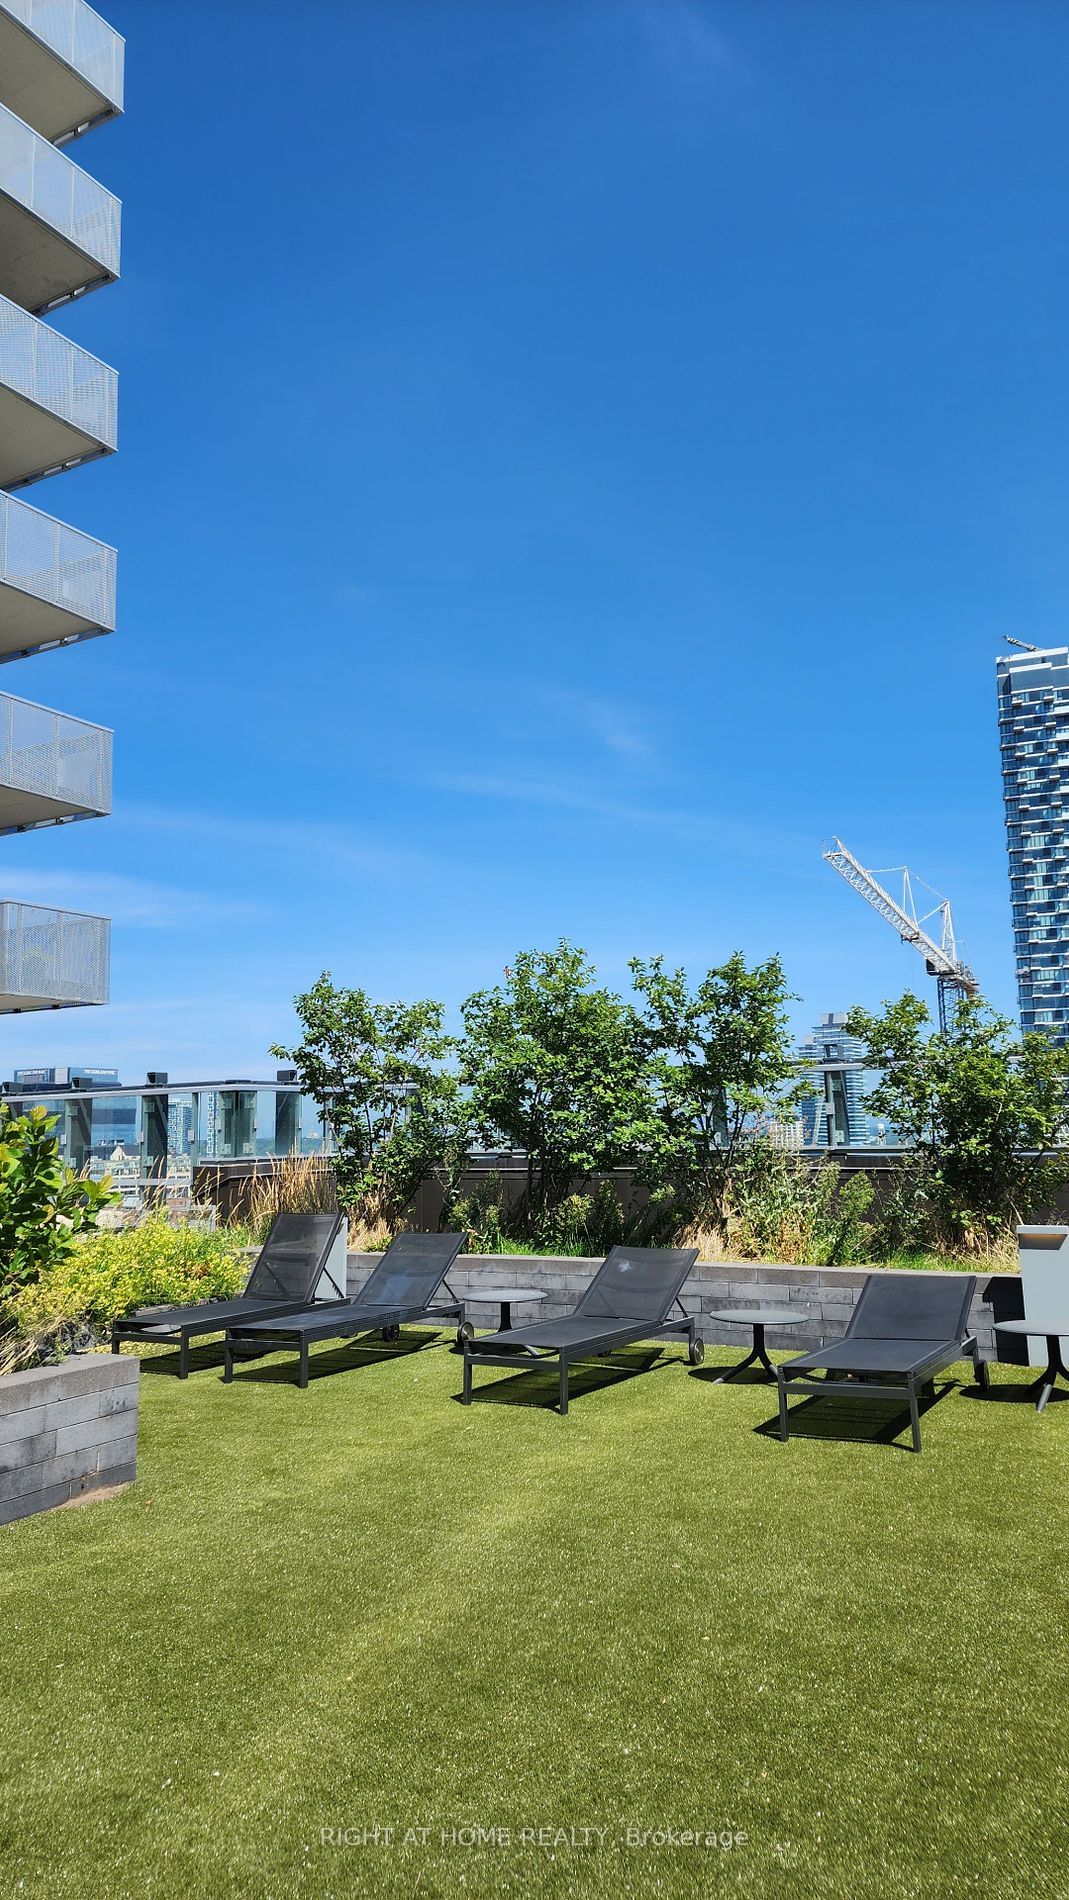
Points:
(574, 457)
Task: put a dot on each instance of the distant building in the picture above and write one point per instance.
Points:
(95, 1125)
(835, 1115)
(43, 1081)
(1033, 707)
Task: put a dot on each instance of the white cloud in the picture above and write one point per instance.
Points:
(288, 843)
(685, 38)
(130, 901)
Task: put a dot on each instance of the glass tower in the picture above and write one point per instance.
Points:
(835, 1114)
(1033, 704)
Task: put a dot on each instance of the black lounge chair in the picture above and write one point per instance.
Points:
(293, 1263)
(627, 1301)
(903, 1330)
(400, 1291)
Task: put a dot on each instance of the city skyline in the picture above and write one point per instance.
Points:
(645, 501)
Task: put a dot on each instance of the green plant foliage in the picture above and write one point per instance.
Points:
(982, 1110)
(554, 1067)
(110, 1273)
(721, 1061)
(378, 1072)
(782, 1208)
(44, 1205)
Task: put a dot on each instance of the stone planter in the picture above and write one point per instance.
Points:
(66, 1431)
(824, 1295)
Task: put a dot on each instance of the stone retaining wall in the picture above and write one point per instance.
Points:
(824, 1296)
(66, 1430)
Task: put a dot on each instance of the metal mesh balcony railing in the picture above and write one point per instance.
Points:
(79, 36)
(56, 563)
(53, 372)
(57, 190)
(53, 755)
(60, 955)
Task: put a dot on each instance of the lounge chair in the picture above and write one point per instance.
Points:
(627, 1301)
(903, 1330)
(303, 1257)
(400, 1291)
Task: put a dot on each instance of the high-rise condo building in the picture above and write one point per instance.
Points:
(1033, 710)
(834, 1115)
(61, 74)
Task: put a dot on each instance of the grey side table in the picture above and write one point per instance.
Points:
(1055, 1366)
(507, 1297)
(758, 1317)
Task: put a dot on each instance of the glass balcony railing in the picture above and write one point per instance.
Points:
(53, 757)
(52, 957)
(80, 37)
(57, 191)
(51, 371)
(55, 563)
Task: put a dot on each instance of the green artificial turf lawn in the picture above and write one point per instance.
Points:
(364, 1605)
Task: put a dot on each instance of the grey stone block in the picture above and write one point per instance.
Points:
(20, 1452)
(118, 1473)
(83, 1372)
(72, 1411)
(840, 1312)
(119, 1398)
(69, 1467)
(11, 1509)
(40, 1476)
(22, 1424)
(98, 1431)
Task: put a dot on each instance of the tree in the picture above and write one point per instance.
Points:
(379, 1073)
(554, 1068)
(981, 1110)
(722, 1063)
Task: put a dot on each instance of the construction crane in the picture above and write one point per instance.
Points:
(954, 979)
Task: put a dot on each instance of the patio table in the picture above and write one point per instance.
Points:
(758, 1317)
(506, 1297)
(1053, 1335)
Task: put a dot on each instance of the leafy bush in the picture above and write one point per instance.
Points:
(554, 1067)
(588, 1223)
(784, 1210)
(44, 1205)
(379, 1072)
(109, 1274)
(982, 1110)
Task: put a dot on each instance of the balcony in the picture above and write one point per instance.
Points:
(61, 66)
(51, 959)
(57, 586)
(59, 228)
(52, 768)
(58, 404)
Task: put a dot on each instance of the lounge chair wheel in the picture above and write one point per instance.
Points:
(696, 1350)
(465, 1331)
(391, 1334)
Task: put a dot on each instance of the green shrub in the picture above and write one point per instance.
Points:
(783, 1209)
(109, 1274)
(44, 1205)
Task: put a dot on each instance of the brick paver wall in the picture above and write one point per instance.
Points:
(65, 1430)
(824, 1296)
